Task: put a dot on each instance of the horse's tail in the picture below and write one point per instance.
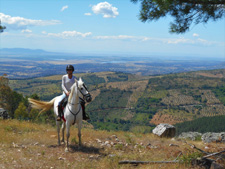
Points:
(41, 105)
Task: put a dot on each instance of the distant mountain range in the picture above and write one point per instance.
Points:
(130, 57)
(27, 63)
(25, 51)
(22, 51)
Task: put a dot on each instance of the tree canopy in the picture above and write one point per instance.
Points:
(2, 27)
(184, 12)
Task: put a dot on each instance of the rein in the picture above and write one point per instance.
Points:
(75, 114)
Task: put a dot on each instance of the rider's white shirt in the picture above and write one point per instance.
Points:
(67, 83)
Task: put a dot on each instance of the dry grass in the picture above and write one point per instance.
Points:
(29, 145)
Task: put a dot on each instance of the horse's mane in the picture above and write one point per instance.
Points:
(72, 90)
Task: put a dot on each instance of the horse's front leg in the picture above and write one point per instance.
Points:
(67, 137)
(58, 131)
(79, 132)
(63, 130)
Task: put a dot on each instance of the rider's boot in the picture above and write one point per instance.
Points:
(59, 113)
(85, 116)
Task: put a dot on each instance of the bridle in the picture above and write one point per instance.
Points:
(84, 95)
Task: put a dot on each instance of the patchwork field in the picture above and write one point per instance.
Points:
(137, 103)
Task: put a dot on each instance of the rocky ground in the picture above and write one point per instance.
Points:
(29, 145)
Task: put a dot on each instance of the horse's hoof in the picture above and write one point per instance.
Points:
(62, 142)
(66, 150)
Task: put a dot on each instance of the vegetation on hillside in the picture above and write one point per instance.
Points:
(18, 107)
(202, 125)
(137, 103)
(220, 93)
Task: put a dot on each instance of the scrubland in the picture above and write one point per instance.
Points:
(30, 145)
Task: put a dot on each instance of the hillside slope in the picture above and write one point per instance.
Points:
(136, 103)
(30, 145)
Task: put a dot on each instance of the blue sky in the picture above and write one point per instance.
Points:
(107, 27)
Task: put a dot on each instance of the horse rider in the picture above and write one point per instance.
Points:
(67, 82)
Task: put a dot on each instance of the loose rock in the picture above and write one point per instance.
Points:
(190, 135)
(164, 130)
(213, 137)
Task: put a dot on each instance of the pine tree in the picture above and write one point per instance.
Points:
(184, 12)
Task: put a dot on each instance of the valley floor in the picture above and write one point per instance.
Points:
(29, 145)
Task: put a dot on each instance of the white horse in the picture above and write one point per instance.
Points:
(72, 111)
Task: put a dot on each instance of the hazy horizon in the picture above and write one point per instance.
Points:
(103, 27)
(117, 55)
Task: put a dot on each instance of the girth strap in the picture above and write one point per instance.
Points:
(75, 114)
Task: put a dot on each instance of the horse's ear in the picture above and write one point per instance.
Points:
(80, 79)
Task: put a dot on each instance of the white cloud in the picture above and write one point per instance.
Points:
(195, 35)
(106, 9)
(128, 38)
(179, 40)
(169, 41)
(26, 31)
(20, 23)
(70, 34)
(146, 39)
(88, 14)
(206, 42)
(122, 37)
(64, 7)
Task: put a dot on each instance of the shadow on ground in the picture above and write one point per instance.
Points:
(83, 148)
(86, 149)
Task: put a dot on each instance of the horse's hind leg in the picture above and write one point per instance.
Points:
(67, 137)
(58, 131)
(63, 130)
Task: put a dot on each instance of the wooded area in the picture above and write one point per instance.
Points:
(129, 102)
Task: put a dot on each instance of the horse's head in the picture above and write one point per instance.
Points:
(83, 90)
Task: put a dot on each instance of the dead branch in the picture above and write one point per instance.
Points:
(178, 156)
(145, 162)
(214, 154)
(193, 146)
(148, 162)
(208, 154)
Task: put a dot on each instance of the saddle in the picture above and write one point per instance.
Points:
(65, 101)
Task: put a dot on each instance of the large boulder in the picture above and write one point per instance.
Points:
(164, 130)
(213, 137)
(190, 135)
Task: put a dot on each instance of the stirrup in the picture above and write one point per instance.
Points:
(86, 117)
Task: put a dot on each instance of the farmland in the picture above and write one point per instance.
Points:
(137, 103)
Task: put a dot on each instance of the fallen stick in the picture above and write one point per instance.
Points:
(193, 146)
(208, 154)
(214, 154)
(178, 156)
(146, 162)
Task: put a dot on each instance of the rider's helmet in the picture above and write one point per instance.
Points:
(69, 67)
